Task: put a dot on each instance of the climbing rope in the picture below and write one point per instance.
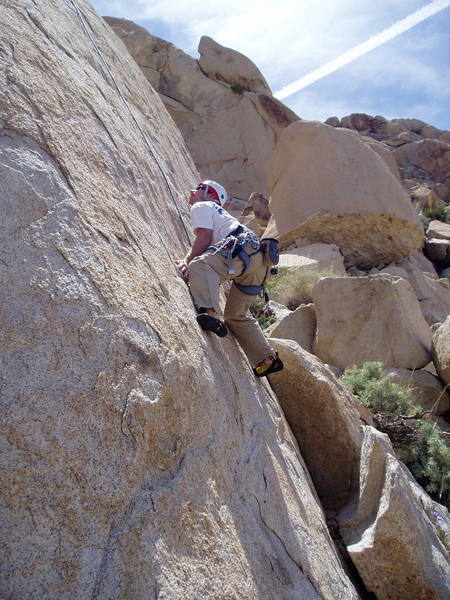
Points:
(128, 107)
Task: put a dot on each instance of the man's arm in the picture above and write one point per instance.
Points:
(203, 239)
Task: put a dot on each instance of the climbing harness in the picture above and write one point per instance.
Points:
(147, 142)
(237, 243)
(234, 245)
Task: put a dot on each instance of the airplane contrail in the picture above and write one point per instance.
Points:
(373, 42)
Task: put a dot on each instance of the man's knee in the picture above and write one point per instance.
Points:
(235, 309)
(195, 265)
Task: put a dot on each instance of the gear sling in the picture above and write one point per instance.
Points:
(235, 244)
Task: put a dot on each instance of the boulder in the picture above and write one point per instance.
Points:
(328, 186)
(438, 230)
(427, 389)
(140, 457)
(438, 250)
(441, 351)
(333, 121)
(379, 124)
(229, 66)
(374, 318)
(390, 530)
(229, 131)
(324, 418)
(360, 121)
(298, 325)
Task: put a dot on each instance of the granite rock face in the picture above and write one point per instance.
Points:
(136, 461)
(328, 186)
(223, 106)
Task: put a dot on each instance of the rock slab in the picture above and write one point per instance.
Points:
(140, 458)
(324, 418)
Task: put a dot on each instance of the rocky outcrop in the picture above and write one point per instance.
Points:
(441, 351)
(375, 318)
(140, 458)
(229, 66)
(328, 186)
(390, 531)
(222, 105)
(422, 152)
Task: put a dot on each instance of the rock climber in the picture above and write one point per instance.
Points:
(213, 259)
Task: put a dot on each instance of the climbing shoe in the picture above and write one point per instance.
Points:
(210, 322)
(275, 365)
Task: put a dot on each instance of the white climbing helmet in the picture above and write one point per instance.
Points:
(219, 189)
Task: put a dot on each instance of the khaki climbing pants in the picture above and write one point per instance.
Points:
(206, 273)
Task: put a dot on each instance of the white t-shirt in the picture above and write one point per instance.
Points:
(209, 215)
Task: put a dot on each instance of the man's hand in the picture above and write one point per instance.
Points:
(182, 267)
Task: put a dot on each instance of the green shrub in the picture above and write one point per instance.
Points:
(428, 214)
(262, 311)
(293, 288)
(378, 392)
(237, 88)
(415, 439)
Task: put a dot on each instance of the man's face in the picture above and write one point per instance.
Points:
(198, 194)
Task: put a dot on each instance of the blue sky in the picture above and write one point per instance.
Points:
(406, 77)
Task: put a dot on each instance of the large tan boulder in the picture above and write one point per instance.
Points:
(298, 325)
(230, 132)
(328, 186)
(375, 318)
(391, 529)
(324, 419)
(140, 457)
(441, 351)
(230, 66)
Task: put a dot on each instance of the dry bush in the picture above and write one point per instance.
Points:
(293, 288)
